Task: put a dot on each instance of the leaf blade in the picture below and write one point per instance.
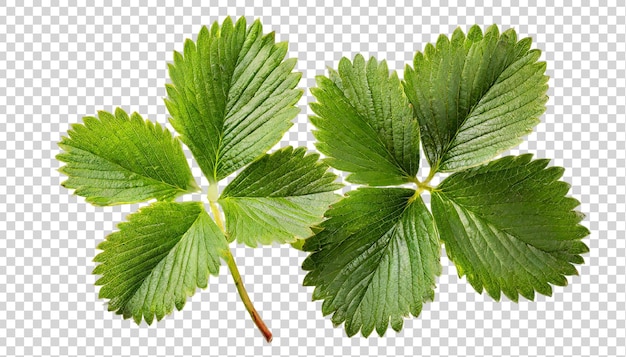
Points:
(475, 96)
(375, 260)
(115, 159)
(364, 123)
(157, 259)
(521, 232)
(232, 95)
(278, 198)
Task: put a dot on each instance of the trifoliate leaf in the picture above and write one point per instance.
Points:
(278, 197)
(509, 227)
(365, 124)
(475, 96)
(232, 96)
(114, 159)
(375, 261)
(158, 258)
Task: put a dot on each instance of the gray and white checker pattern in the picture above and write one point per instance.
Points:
(61, 61)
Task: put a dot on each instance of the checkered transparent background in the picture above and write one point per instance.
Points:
(62, 61)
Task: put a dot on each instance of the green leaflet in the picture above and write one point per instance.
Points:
(365, 124)
(278, 197)
(114, 159)
(508, 226)
(158, 258)
(475, 96)
(375, 260)
(232, 96)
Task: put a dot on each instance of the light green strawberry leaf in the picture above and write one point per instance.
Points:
(278, 198)
(115, 159)
(232, 95)
(158, 258)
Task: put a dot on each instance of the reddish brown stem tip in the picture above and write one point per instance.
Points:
(256, 318)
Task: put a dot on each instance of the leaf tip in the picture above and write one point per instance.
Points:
(509, 35)
(121, 114)
(475, 33)
(189, 47)
(443, 42)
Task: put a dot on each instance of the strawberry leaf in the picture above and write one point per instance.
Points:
(475, 96)
(375, 259)
(365, 124)
(278, 198)
(158, 258)
(509, 226)
(232, 95)
(116, 159)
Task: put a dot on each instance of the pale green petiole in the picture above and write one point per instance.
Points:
(234, 271)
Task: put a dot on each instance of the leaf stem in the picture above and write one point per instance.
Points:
(217, 215)
(234, 271)
(423, 185)
(430, 176)
(256, 318)
(213, 193)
